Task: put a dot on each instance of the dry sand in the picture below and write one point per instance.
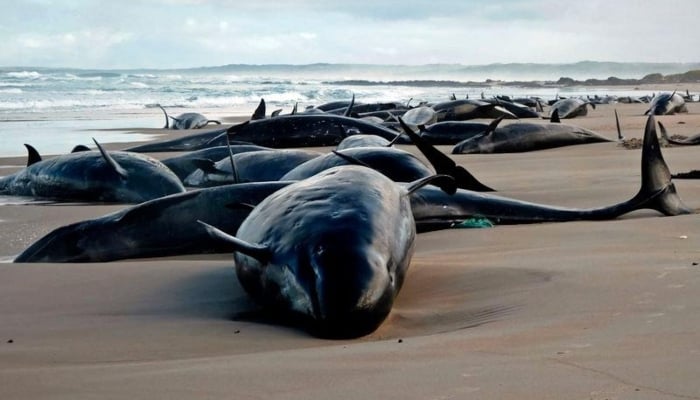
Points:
(580, 310)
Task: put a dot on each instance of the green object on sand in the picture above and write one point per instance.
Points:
(476, 222)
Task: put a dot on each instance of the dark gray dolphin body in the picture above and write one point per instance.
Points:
(331, 250)
(158, 228)
(519, 110)
(302, 130)
(193, 142)
(461, 110)
(666, 104)
(433, 210)
(571, 107)
(187, 121)
(397, 164)
(527, 136)
(185, 164)
(116, 176)
(258, 166)
(452, 132)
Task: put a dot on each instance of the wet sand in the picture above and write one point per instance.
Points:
(589, 310)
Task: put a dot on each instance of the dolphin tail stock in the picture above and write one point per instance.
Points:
(259, 252)
(444, 164)
(167, 122)
(657, 191)
(33, 155)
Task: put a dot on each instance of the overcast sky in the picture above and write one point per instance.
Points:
(190, 33)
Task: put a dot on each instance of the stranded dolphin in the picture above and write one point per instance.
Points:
(527, 136)
(331, 250)
(187, 121)
(115, 176)
(161, 227)
(667, 103)
(433, 210)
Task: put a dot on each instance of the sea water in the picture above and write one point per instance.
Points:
(56, 109)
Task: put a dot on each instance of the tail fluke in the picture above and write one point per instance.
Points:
(658, 191)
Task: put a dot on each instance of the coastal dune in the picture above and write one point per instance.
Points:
(595, 310)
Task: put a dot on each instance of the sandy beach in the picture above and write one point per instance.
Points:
(577, 310)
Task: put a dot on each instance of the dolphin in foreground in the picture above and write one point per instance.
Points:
(114, 176)
(331, 251)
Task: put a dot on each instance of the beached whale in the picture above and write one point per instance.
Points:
(185, 164)
(462, 110)
(666, 104)
(305, 130)
(116, 176)
(527, 136)
(257, 166)
(571, 107)
(188, 120)
(331, 250)
(157, 228)
(432, 210)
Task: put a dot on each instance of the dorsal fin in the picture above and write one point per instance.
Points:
(294, 110)
(256, 251)
(111, 161)
(79, 148)
(538, 106)
(351, 159)
(444, 182)
(493, 125)
(617, 123)
(408, 103)
(33, 156)
(554, 118)
(276, 112)
(167, 122)
(208, 166)
(453, 97)
(348, 111)
(259, 112)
